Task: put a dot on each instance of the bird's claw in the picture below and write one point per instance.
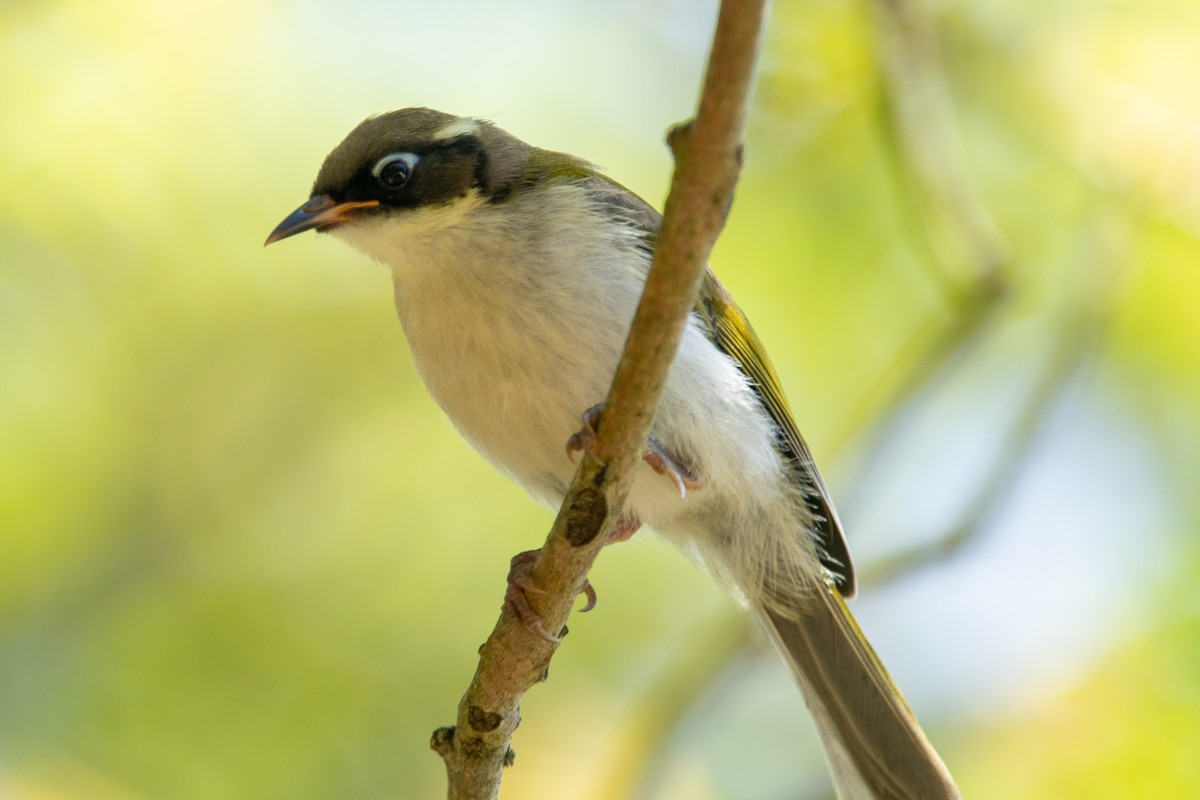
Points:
(585, 437)
(662, 462)
(520, 585)
(657, 456)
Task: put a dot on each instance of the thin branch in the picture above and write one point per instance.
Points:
(966, 252)
(928, 355)
(707, 154)
(966, 244)
(1079, 337)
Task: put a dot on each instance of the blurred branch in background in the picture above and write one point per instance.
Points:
(1077, 340)
(966, 253)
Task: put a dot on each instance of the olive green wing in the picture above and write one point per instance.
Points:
(730, 331)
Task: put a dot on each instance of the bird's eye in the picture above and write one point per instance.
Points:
(393, 171)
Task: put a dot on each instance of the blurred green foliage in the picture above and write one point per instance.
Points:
(241, 553)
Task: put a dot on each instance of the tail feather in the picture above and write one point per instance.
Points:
(874, 745)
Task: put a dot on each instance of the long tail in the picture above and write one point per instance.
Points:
(874, 745)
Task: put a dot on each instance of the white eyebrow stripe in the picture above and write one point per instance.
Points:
(458, 128)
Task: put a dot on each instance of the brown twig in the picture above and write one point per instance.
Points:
(707, 154)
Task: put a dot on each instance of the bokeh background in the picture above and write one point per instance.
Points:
(242, 555)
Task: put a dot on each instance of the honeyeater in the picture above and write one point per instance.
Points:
(517, 272)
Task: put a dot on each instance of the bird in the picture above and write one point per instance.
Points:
(516, 272)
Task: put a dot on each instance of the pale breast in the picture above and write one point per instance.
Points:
(516, 333)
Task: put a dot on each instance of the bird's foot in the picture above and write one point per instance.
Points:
(520, 584)
(657, 456)
(662, 462)
(585, 437)
(627, 525)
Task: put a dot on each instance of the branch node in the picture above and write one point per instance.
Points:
(483, 721)
(585, 516)
(679, 136)
(442, 741)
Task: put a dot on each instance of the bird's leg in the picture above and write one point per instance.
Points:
(520, 584)
(658, 457)
(520, 581)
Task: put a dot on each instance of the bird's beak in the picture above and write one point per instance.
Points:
(321, 211)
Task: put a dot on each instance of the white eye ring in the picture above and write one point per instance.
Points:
(393, 170)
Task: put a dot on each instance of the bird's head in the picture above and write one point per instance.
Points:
(408, 163)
